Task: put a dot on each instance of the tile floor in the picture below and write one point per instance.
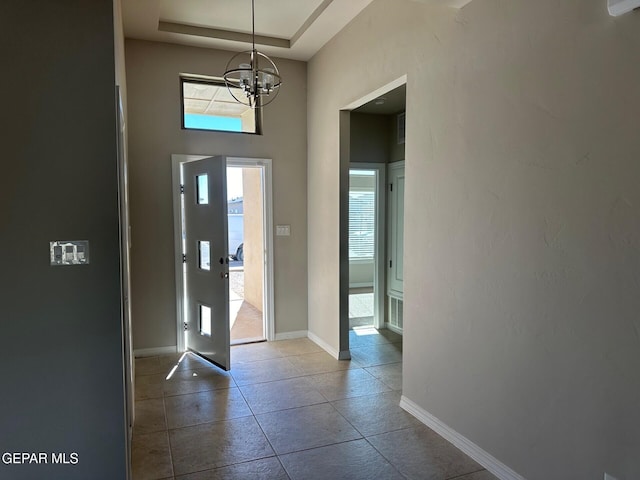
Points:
(287, 410)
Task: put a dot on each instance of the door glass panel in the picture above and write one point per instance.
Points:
(202, 182)
(204, 255)
(205, 320)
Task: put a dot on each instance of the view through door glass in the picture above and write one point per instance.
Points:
(245, 211)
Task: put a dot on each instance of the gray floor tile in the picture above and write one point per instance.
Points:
(150, 416)
(389, 374)
(148, 366)
(149, 386)
(203, 407)
(206, 378)
(280, 395)
(264, 371)
(264, 469)
(253, 352)
(296, 346)
(214, 445)
(191, 361)
(306, 427)
(321, 362)
(364, 337)
(286, 384)
(375, 414)
(420, 453)
(355, 460)
(377, 354)
(347, 383)
(151, 456)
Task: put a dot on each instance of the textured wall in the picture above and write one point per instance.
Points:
(155, 133)
(523, 230)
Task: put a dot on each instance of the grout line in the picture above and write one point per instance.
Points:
(166, 422)
(383, 456)
(320, 446)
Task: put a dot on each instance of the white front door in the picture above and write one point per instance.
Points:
(206, 258)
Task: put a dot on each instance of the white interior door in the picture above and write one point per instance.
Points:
(206, 291)
(395, 278)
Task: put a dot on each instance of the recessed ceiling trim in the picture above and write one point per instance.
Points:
(221, 34)
(309, 21)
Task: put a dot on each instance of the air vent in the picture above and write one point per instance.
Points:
(395, 315)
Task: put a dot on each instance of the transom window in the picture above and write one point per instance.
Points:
(207, 104)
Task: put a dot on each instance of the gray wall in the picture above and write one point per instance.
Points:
(154, 134)
(369, 138)
(61, 357)
(522, 206)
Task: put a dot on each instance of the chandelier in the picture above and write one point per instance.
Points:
(256, 74)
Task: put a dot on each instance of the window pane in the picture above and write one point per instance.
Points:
(205, 320)
(202, 188)
(204, 255)
(207, 104)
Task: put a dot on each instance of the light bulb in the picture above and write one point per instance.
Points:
(245, 74)
(267, 80)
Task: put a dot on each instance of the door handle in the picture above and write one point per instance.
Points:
(224, 274)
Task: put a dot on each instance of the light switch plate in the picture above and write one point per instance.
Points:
(283, 230)
(69, 252)
(609, 477)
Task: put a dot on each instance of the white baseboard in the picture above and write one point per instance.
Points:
(324, 345)
(489, 462)
(153, 352)
(291, 335)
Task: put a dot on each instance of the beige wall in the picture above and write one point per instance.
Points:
(523, 231)
(253, 236)
(155, 133)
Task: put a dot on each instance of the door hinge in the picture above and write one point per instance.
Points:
(390, 263)
(181, 189)
(186, 326)
(391, 187)
(184, 258)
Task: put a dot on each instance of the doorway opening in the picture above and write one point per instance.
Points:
(242, 262)
(372, 138)
(246, 229)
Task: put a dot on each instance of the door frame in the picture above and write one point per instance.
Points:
(268, 293)
(379, 290)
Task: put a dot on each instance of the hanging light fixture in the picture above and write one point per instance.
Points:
(256, 74)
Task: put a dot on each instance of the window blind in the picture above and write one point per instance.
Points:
(361, 225)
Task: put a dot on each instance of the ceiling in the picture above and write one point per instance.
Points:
(389, 103)
(294, 29)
